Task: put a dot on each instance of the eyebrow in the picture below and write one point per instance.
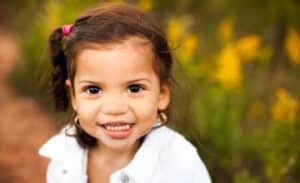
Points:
(130, 81)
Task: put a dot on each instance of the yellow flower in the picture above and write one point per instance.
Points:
(285, 107)
(175, 29)
(249, 47)
(188, 47)
(145, 4)
(229, 69)
(292, 45)
(225, 30)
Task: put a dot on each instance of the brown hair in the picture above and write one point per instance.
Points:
(110, 23)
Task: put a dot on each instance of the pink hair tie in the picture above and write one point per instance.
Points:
(66, 29)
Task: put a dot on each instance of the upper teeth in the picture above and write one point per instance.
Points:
(122, 127)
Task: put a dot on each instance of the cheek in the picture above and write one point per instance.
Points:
(86, 110)
(146, 110)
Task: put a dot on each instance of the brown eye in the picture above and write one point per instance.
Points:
(93, 89)
(135, 88)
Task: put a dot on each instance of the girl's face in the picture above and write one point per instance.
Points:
(117, 93)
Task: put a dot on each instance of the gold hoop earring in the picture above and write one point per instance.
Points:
(76, 120)
(162, 117)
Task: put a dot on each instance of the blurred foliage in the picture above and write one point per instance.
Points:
(237, 65)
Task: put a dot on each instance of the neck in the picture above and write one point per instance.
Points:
(114, 157)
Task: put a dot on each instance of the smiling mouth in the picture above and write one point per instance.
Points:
(119, 130)
(117, 126)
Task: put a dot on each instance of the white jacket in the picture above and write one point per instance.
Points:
(164, 157)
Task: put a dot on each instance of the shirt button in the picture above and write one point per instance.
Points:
(124, 178)
(64, 171)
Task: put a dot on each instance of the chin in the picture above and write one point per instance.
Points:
(122, 144)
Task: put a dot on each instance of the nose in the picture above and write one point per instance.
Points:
(115, 106)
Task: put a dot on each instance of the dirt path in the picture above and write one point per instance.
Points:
(23, 127)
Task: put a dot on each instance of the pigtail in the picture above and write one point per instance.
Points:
(59, 70)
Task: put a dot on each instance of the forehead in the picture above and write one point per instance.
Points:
(130, 57)
(136, 42)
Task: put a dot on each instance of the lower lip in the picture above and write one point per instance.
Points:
(118, 134)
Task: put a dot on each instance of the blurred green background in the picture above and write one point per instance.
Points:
(238, 68)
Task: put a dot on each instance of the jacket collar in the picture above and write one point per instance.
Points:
(64, 148)
(148, 156)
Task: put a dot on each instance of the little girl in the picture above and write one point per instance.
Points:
(113, 65)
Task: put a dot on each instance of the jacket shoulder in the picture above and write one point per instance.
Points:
(181, 158)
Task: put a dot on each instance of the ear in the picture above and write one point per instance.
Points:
(164, 97)
(72, 95)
